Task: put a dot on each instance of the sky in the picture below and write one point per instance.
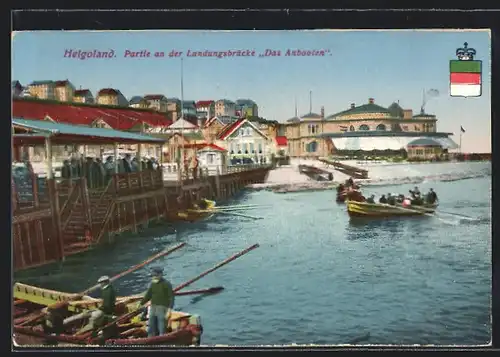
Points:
(388, 66)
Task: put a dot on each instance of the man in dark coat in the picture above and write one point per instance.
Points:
(66, 170)
(127, 163)
(161, 294)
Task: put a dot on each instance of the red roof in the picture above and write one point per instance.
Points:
(230, 128)
(120, 119)
(108, 91)
(154, 96)
(81, 92)
(204, 103)
(215, 147)
(281, 141)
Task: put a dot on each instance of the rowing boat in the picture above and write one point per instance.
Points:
(381, 210)
(196, 214)
(183, 329)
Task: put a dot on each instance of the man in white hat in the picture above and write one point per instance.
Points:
(104, 313)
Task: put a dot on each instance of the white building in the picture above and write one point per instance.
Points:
(213, 158)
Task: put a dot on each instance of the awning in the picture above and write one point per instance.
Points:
(384, 143)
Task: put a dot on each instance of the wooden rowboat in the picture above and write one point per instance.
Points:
(379, 210)
(193, 215)
(183, 329)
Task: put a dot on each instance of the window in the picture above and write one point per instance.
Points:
(351, 128)
(252, 149)
(312, 129)
(241, 132)
(381, 127)
(238, 148)
(309, 129)
(249, 132)
(312, 146)
(260, 148)
(210, 159)
(317, 129)
(245, 148)
(364, 127)
(419, 151)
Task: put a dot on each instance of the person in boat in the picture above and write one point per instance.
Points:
(391, 199)
(415, 193)
(350, 182)
(104, 314)
(371, 199)
(400, 198)
(161, 294)
(340, 188)
(54, 322)
(382, 199)
(431, 197)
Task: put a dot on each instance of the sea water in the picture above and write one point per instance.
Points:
(319, 277)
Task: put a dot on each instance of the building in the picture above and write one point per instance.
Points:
(212, 157)
(42, 89)
(425, 149)
(83, 96)
(246, 108)
(111, 96)
(157, 102)
(174, 108)
(359, 128)
(205, 109)
(225, 107)
(64, 91)
(245, 141)
(17, 89)
(138, 102)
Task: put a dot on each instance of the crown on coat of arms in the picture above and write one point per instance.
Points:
(465, 53)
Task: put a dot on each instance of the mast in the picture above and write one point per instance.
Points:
(182, 113)
(296, 114)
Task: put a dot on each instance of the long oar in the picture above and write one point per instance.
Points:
(422, 213)
(458, 215)
(128, 271)
(182, 286)
(239, 214)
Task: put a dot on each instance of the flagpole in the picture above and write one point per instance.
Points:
(460, 142)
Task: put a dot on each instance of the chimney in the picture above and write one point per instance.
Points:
(322, 112)
(371, 100)
(353, 105)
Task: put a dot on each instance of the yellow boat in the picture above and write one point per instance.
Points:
(381, 210)
(196, 214)
(183, 328)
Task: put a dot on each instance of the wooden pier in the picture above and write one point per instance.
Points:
(316, 173)
(54, 218)
(354, 172)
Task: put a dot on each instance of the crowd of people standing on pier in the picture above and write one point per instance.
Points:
(98, 173)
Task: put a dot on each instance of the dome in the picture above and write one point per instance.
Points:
(424, 142)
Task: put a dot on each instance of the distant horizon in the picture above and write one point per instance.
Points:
(389, 66)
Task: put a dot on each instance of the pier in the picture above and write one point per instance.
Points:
(55, 217)
(352, 171)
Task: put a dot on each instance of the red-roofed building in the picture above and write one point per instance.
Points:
(245, 140)
(213, 158)
(121, 119)
(111, 96)
(205, 109)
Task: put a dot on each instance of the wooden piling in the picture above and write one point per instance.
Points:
(56, 217)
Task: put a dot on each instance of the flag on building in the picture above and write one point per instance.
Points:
(462, 129)
(465, 78)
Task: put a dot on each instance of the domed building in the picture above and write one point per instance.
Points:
(367, 127)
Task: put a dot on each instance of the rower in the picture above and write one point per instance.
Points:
(371, 199)
(350, 182)
(431, 197)
(391, 199)
(104, 314)
(382, 199)
(340, 188)
(53, 324)
(415, 193)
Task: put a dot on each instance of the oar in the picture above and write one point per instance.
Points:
(458, 215)
(182, 286)
(235, 209)
(134, 268)
(239, 214)
(241, 206)
(213, 290)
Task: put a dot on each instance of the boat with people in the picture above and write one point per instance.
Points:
(384, 210)
(183, 329)
(199, 211)
(392, 205)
